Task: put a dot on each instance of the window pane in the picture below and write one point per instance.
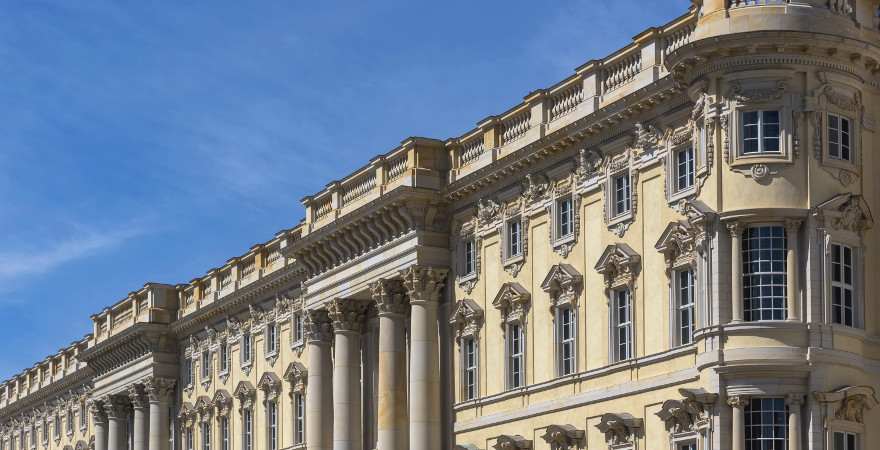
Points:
(764, 276)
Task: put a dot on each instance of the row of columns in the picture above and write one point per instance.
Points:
(148, 404)
(402, 424)
(738, 404)
(791, 265)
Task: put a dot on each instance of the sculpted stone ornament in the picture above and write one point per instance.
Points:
(423, 284)
(620, 428)
(159, 389)
(466, 319)
(487, 211)
(316, 326)
(563, 283)
(563, 436)
(534, 188)
(512, 442)
(138, 396)
(589, 163)
(389, 297)
(757, 94)
(346, 314)
(619, 264)
(849, 403)
(513, 302)
(270, 384)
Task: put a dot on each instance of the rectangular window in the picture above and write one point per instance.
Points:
(565, 334)
(766, 424)
(69, 421)
(845, 441)
(686, 446)
(297, 323)
(843, 309)
(516, 356)
(187, 372)
(57, 427)
(623, 326)
(299, 418)
(470, 257)
(469, 366)
(272, 425)
(206, 365)
(760, 131)
(839, 138)
(247, 425)
(45, 431)
(206, 436)
(564, 217)
(684, 169)
(83, 416)
(271, 338)
(224, 433)
(622, 194)
(514, 238)
(685, 303)
(764, 273)
(224, 357)
(189, 439)
(245, 348)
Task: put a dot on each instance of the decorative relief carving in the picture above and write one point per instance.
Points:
(535, 188)
(346, 314)
(620, 428)
(646, 139)
(487, 211)
(619, 264)
(389, 296)
(677, 243)
(563, 437)
(245, 393)
(756, 94)
(297, 375)
(222, 402)
(423, 284)
(849, 403)
(513, 301)
(512, 442)
(563, 283)
(270, 384)
(689, 414)
(466, 319)
(845, 212)
(317, 326)
(589, 164)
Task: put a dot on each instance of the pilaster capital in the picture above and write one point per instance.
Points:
(423, 284)
(96, 407)
(116, 406)
(159, 389)
(793, 225)
(346, 314)
(738, 401)
(138, 396)
(389, 296)
(794, 400)
(316, 326)
(734, 228)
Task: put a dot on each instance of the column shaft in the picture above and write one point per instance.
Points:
(319, 396)
(347, 391)
(737, 431)
(791, 266)
(159, 391)
(795, 403)
(392, 383)
(736, 290)
(100, 421)
(140, 428)
(116, 433)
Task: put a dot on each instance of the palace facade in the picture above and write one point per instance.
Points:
(670, 249)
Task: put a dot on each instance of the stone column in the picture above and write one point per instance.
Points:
(738, 423)
(795, 403)
(792, 284)
(319, 396)
(117, 414)
(424, 285)
(736, 289)
(347, 316)
(140, 405)
(159, 392)
(99, 417)
(392, 414)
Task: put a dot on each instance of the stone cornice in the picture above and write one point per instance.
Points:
(596, 124)
(77, 379)
(132, 343)
(271, 282)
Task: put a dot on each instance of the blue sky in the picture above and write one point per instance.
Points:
(151, 141)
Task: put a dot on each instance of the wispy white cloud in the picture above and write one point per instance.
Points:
(20, 263)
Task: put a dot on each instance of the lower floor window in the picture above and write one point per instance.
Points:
(766, 422)
(299, 418)
(845, 441)
(686, 446)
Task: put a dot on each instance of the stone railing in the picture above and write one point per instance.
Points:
(397, 167)
(741, 3)
(358, 187)
(596, 84)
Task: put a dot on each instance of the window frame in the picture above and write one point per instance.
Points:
(510, 241)
(626, 189)
(617, 325)
(690, 175)
(845, 433)
(679, 307)
(297, 329)
(561, 342)
(246, 342)
(299, 418)
(225, 432)
(761, 137)
(223, 357)
(271, 339)
(205, 366)
(843, 286)
(205, 429)
(750, 414)
(469, 355)
(748, 300)
(851, 135)
(247, 429)
(513, 356)
(272, 425)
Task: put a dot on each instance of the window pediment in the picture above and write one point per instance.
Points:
(466, 318)
(563, 283)
(563, 436)
(245, 394)
(677, 244)
(222, 401)
(620, 428)
(270, 384)
(619, 264)
(846, 212)
(689, 413)
(297, 375)
(204, 407)
(513, 302)
(851, 401)
(512, 442)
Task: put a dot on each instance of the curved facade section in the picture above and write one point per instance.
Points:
(671, 248)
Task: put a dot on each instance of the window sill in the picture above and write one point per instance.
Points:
(682, 194)
(740, 161)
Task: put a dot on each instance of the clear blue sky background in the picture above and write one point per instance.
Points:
(151, 141)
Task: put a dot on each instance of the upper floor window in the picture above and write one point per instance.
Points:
(764, 273)
(839, 138)
(843, 305)
(760, 132)
(272, 424)
(187, 372)
(470, 257)
(622, 325)
(206, 435)
(622, 195)
(297, 328)
(247, 429)
(271, 338)
(685, 168)
(190, 444)
(684, 290)
(766, 424)
(206, 365)
(514, 237)
(246, 348)
(469, 368)
(564, 217)
(299, 418)
(69, 422)
(224, 433)
(515, 356)
(224, 357)
(565, 336)
(843, 440)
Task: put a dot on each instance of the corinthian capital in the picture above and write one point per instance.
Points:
(116, 406)
(423, 284)
(316, 325)
(389, 297)
(159, 389)
(346, 314)
(738, 401)
(138, 396)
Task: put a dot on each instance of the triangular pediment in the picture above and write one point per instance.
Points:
(221, 397)
(295, 371)
(847, 212)
(674, 237)
(465, 310)
(617, 255)
(560, 275)
(203, 403)
(186, 408)
(268, 381)
(244, 389)
(510, 293)
(512, 442)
